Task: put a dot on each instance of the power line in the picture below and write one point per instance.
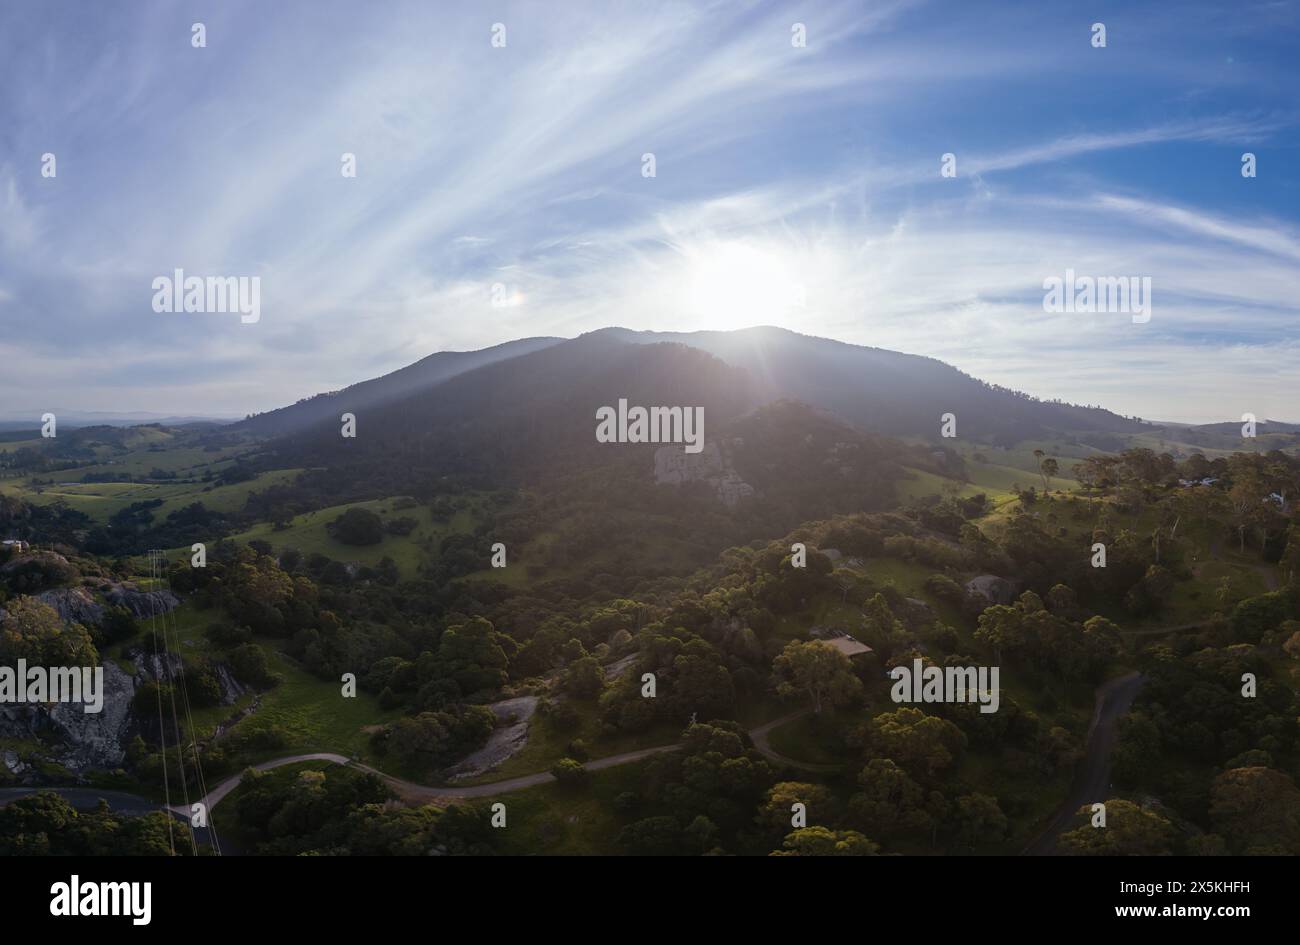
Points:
(169, 618)
(156, 580)
(162, 731)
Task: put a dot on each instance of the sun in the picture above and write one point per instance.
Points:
(737, 284)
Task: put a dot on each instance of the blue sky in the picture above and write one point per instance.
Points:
(794, 186)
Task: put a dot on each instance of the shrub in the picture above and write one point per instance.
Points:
(569, 772)
(357, 526)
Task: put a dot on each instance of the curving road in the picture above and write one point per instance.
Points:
(213, 797)
(1092, 781)
(763, 745)
(123, 802)
(408, 790)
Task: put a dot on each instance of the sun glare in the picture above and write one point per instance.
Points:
(735, 285)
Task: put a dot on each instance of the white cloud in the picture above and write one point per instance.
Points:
(815, 168)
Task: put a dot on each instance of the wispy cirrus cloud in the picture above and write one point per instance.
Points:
(1220, 130)
(794, 185)
(1274, 238)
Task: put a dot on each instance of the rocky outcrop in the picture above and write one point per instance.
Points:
(151, 666)
(79, 741)
(840, 560)
(75, 605)
(23, 721)
(79, 604)
(72, 737)
(712, 465)
(38, 571)
(141, 604)
(66, 734)
(994, 589)
(620, 666)
(511, 734)
(47, 560)
(231, 688)
(96, 740)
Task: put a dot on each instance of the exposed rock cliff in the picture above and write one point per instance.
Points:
(994, 589)
(141, 604)
(673, 466)
(96, 740)
(71, 736)
(75, 605)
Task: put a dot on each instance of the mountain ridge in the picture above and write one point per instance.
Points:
(419, 375)
(874, 389)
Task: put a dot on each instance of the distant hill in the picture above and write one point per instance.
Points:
(70, 419)
(528, 412)
(411, 379)
(885, 391)
(529, 424)
(874, 389)
(1233, 427)
(1226, 436)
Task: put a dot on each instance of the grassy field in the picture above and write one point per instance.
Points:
(136, 452)
(826, 610)
(647, 538)
(907, 576)
(547, 745)
(1210, 556)
(309, 534)
(995, 480)
(310, 713)
(921, 484)
(1195, 600)
(314, 716)
(526, 565)
(559, 821)
(814, 739)
(101, 500)
(1215, 446)
(13, 446)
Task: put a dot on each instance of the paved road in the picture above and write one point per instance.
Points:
(763, 745)
(133, 804)
(125, 803)
(86, 798)
(1092, 781)
(409, 790)
(213, 797)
